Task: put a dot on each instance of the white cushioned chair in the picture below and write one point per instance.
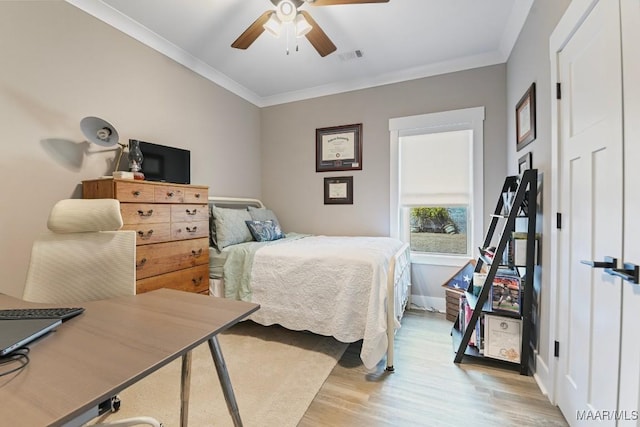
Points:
(84, 257)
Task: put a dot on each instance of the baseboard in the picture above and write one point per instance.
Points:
(543, 378)
(422, 302)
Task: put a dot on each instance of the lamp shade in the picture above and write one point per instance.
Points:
(302, 26)
(273, 25)
(99, 131)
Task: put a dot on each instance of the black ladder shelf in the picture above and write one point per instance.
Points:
(524, 189)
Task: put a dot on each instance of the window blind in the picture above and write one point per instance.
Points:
(435, 169)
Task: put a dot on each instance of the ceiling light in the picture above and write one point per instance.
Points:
(273, 25)
(302, 26)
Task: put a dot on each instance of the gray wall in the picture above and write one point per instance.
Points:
(59, 65)
(291, 186)
(529, 62)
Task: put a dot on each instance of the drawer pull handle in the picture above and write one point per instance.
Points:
(192, 212)
(197, 195)
(136, 193)
(142, 262)
(192, 229)
(170, 194)
(148, 213)
(144, 235)
(197, 281)
(197, 253)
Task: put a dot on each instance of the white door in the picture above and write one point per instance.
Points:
(629, 399)
(590, 149)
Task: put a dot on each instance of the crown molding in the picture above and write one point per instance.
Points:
(123, 23)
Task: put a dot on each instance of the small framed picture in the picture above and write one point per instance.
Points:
(526, 118)
(338, 190)
(339, 148)
(524, 163)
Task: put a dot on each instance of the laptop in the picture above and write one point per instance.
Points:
(17, 333)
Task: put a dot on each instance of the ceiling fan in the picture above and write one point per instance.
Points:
(287, 12)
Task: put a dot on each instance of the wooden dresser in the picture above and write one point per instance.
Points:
(172, 225)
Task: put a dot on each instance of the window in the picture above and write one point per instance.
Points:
(436, 184)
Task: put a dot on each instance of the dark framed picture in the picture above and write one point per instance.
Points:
(339, 148)
(338, 190)
(525, 162)
(526, 118)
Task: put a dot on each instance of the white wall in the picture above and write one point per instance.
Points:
(59, 65)
(293, 188)
(529, 62)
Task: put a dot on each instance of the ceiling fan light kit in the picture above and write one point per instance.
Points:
(287, 12)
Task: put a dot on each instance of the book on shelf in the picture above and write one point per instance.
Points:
(477, 336)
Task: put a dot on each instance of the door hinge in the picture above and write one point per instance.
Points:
(556, 349)
(558, 91)
(558, 220)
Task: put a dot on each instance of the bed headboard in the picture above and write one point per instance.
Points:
(234, 202)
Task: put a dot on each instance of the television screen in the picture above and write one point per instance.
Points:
(166, 164)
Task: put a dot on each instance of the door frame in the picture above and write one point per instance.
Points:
(575, 15)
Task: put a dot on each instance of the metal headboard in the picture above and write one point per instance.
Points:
(234, 202)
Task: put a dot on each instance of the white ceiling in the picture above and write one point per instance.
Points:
(400, 40)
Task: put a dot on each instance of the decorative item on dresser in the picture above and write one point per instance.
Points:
(172, 226)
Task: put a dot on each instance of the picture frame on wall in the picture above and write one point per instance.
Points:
(339, 148)
(338, 190)
(526, 118)
(525, 162)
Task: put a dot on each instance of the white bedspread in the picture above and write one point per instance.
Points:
(335, 286)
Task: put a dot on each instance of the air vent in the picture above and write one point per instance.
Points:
(350, 56)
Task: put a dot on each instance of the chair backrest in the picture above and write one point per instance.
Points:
(83, 257)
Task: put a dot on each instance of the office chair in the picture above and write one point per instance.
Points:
(83, 258)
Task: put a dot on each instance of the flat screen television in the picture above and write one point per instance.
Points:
(166, 164)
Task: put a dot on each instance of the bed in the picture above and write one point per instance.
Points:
(351, 288)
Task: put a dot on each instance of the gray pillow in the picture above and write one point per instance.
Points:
(230, 226)
(263, 214)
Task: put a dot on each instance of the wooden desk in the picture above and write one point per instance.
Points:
(112, 345)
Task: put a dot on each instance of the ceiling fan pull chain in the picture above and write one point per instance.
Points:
(287, 31)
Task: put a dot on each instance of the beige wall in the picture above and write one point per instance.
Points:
(295, 191)
(529, 62)
(59, 65)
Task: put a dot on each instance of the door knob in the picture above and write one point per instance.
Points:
(629, 272)
(608, 263)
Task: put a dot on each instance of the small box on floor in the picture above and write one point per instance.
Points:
(455, 286)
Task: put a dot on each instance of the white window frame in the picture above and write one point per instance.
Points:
(446, 121)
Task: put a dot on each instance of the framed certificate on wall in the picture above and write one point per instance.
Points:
(339, 148)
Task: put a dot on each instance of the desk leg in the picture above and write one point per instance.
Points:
(185, 384)
(225, 382)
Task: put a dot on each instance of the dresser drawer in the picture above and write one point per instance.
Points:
(189, 213)
(196, 195)
(189, 230)
(145, 213)
(133, 192)
(168, 194)
(150, 233)
(152, 260)
(194, 279)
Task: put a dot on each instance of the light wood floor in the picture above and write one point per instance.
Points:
(427, 388)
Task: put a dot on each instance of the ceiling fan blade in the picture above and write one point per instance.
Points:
(252, 32)
(317, 37)
(333, 2)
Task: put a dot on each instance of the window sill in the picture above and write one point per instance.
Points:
(442, 260)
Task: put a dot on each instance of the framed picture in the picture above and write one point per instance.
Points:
(338, 190)
(524, 163)
(339, 148)
(526, 118)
